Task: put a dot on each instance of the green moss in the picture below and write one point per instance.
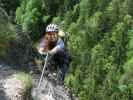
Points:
(26, 79)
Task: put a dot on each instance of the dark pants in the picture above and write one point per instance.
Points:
(62, 60)
(62, 72)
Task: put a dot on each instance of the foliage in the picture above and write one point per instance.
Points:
(100, 42)
(26, 79)
(9, 6)
(6, 33)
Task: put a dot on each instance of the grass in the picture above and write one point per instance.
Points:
(26, 79)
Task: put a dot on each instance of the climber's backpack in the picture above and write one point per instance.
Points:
(64, 36)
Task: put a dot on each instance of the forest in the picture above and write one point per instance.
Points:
(100, 42)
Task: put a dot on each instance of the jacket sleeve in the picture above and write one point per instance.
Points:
(59, 46)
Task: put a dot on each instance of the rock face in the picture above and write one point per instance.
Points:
(49, 90)
(20, 51)
(13, 88)
(10, 87)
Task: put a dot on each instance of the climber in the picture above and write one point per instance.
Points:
(54, 45)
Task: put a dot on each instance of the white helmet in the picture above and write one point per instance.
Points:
(52, 28)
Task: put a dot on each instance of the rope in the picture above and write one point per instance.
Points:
(43, 71)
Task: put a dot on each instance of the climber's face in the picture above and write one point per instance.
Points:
(52, 36)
